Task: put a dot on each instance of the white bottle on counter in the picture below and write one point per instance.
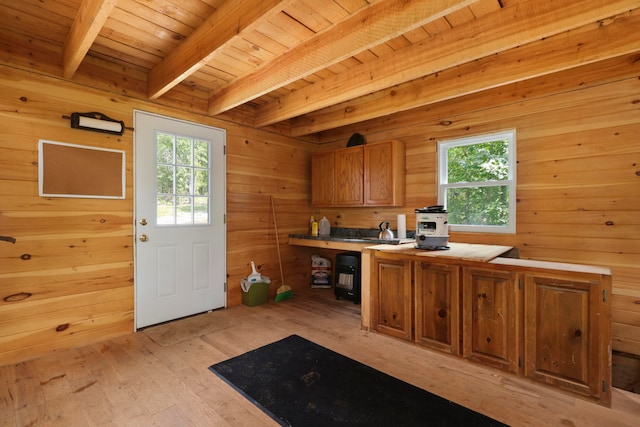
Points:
(324, 227)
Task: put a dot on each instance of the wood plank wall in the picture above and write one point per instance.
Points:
(68, 278)
(578, 172)
(578, 193)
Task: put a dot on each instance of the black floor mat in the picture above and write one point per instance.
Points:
(299, 383)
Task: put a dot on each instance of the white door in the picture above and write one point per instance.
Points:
(180, 266)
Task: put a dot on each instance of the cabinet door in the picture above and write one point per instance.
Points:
(323, 179)
(384, 174)
(566, 331)
(491, 307)
(391, 297)
(437, 303)
(349, 176)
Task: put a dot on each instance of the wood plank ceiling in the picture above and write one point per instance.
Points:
(322, 64)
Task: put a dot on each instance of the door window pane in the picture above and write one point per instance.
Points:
(201, 210)
(164, 144)
(201, 154)
(182, 173)
(165, 179)
(183, 180)
(165, 210)
(184, 147)
(201, 182)
(184, 210)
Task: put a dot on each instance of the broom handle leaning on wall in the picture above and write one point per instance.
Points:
(275, 226)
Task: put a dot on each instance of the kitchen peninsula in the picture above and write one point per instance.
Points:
(547, 321)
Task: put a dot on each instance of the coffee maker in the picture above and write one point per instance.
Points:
(432, 228)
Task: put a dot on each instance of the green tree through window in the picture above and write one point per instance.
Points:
(476, 182)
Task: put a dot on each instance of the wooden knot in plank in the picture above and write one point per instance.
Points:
(20, 296)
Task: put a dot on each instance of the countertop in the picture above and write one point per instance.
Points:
(354, 239)
(359, 239)
(458, 251)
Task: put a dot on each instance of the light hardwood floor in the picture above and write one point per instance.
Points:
(133, 381)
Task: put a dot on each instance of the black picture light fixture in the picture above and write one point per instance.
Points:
(96, 122)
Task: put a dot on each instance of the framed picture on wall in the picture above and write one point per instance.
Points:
(70, 170)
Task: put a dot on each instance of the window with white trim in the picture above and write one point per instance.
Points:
(477, 182)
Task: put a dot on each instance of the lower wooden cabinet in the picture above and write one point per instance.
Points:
(491, 321)
(392, 295)
(567, 334)
(437, 306)
(529, 318)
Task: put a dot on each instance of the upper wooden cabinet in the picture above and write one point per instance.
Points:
(365, 175)
(384, 174)
(349, 176)
(323, 165)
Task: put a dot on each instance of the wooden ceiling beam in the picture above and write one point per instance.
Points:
(515, 25)
(227, 22)
(371, 26)
(86, 26)
(591, 43)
